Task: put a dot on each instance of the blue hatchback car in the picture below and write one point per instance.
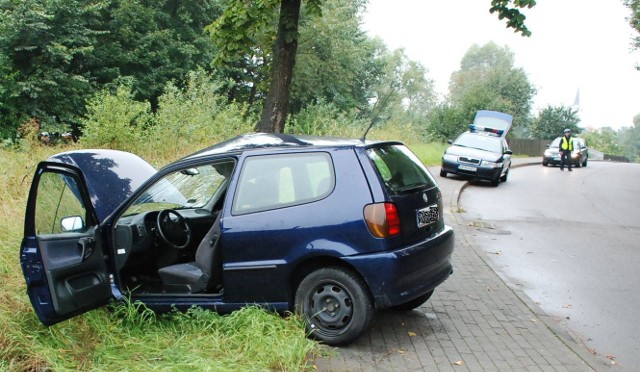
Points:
(330, 228)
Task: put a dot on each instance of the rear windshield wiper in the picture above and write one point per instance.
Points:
(412, 188)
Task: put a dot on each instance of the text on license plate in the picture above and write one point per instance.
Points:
(427, 215)
(467, 168)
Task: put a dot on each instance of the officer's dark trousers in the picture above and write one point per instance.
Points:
(565, 156)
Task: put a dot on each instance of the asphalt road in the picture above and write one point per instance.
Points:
(571, 242)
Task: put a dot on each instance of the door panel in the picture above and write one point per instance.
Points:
(65, 271)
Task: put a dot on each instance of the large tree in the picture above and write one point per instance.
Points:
(488, 80)
(553, 120)
(241, 17)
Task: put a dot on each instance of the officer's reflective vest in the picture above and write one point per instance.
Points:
(566, 145)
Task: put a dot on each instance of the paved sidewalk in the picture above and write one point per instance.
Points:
(473, 322)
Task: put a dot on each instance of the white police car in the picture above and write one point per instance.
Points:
(482, 152)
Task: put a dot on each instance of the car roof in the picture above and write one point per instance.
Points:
(257, 141)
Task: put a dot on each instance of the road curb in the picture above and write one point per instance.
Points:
(594, 361)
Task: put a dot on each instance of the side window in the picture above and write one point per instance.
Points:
(59, 206)
(277, 181)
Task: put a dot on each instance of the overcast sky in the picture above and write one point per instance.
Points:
(576, 44)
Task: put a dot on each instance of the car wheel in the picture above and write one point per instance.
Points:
(585, 163)
(410, 305)
(334, 304)
(506, 175)
(578, 164)
(544, 163)
(443, 173)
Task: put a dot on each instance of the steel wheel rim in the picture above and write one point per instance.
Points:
(330, 308)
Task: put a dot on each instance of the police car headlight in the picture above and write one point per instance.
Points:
(448, 157)
(491, 164)
(547, 153)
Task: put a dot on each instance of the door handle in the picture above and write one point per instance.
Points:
(86, 247)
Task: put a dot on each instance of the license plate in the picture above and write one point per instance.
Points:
(427, 215)
(556, 158)
(467, 168)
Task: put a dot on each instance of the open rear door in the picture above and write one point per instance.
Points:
(61, 254)
(498, 121)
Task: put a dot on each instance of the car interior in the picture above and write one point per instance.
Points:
(167, 240)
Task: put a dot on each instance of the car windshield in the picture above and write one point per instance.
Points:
(479, 142)
(186, 188)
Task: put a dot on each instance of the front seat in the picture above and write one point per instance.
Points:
(203, 275)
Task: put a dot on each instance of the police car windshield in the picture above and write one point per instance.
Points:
(480, 142)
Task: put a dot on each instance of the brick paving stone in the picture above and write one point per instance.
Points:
(473, 317)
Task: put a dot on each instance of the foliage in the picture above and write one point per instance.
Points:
(604, 140)
(45, 46)
(194, 114)
(55, 54)
(326, 119)
(630, 140)
(515, 18)
(553, 120)
(152, 43)
(446, 122)
(115, 121)
(634, 21)
(623, 142)
(336, 61)
(402, 88)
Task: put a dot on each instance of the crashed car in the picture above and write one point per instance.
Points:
(481, 152)
(330, 228)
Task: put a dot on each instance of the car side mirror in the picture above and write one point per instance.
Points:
(508, 152)
(72, 223)
(450, 141)
(548, 145)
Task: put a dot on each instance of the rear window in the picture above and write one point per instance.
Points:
(400, 169)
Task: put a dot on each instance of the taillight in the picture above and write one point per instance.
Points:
(382, 219)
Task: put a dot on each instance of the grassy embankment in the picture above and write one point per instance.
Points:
(124, 338)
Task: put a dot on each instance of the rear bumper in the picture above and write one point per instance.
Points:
(400, 276)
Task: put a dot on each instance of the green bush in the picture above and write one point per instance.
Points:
(325, 119)
(115, 121)
(196, 115)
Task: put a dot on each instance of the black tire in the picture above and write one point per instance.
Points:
(334, 304)
(416, 302)
(443, 173)
(506, 175)
(585, 163)
(544, 163)
(578, 164)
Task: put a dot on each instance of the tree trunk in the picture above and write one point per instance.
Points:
(276, 107)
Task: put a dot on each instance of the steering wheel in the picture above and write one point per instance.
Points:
(173, 229)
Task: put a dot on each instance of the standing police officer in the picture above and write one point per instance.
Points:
(566, 147)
